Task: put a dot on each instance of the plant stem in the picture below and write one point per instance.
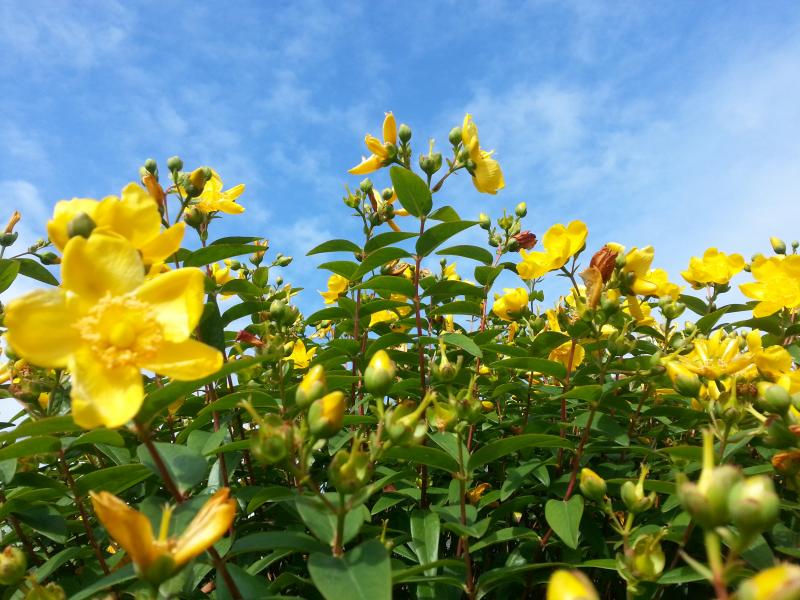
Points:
(714, 551)
(463, 545)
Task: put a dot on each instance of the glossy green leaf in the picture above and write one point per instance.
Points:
(565, 519)
(217, 252)
(412, 192)
(432, 238)
(363, 573)
(335, 246)
(494, 450)
(482, 255)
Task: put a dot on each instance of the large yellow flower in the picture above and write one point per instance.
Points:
(337, 285)
(487, 177)
(714, 267)
(134, 216)
(777, 284)
(301, 356)
(645, 281)
(512, 304)
(106, 323)
(213, 199)
(774, 362)
(156, 559)
(560, 243)
(380, 156)
(716, 356)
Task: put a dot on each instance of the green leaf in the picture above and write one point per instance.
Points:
(277, 540)
(387, 239)
(122, 575)
(36, 270)
(462, 341)
(534, 365)
(565, 519)
(388, 283)
(436, 235)
(112, 479)
(63, 424)
(425, 537)
(335, 246)
(212, 328)
(494, 450)
(460, 307)
(215, 252)
(44, 444)
(8, 273)
(344, 268)
(186, 467)
(322, 522)
(48, 568)
(696, 305)
(444, 213)
(378, 258)
(240, 287)
(412, 191)
(235, 239)
(451, 288)
(8, 469)
(326, 314)
(363, 573)
(98, 436)
(509, 534)
(474, 252)
(46, 520)
(423, 455)
(486, 275)
(243, 309)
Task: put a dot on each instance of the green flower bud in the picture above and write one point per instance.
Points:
(81, 225)
(647, 560)
(260, 276)
(380, 373)
(350, 471)
(283, 261)
(688, 384)
(779, 435)
(326, 415)
(633, 495)
(7, 239)
(174, 163)
(13, 565)
(753, 504)
(366, 185)
(592, 485)
(521, 209)
(778, 245)
(49, 258)
(404, 133)
(485, 221)
(455, 136)
(777, 400)
(194, 217)
(463, 156)
(273, 440)
(403, 423)
(277, 310)
(311, 387)
(151, 166)
(51, 591)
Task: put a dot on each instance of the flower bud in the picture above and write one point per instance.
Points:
(51, 591)
(592, 485)
(12, 222)
(777, 400)
(455, 136)
(403, 423)
(776, 583)
(525, 239)
(49, 258)
(647, 559)
(283, 261)
(521, 210)
(277, 310)
(778, 245)
(195, 182)
(273, 440)
(13, 565)
(8, 239)
(350, 471)
(570, 585)
(366, 185)
(463, 156)
(194, 217)
(326, 415)
(151, 166)
(155, 190)
(753, 504)
(404, 133)
(380, 373)
(604, 260)
(80, 225)
(633, 495)
(174, 163)
(484, 221)
(311, 387)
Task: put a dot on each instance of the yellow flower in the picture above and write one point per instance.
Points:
(474, 495)
(567, 356)
(156, 559)
(714, 267)
(380, 156)
(487, 177)
(776, 583)
(134, 216)
(774, 362)
(643, 280)
(106, 323)
(337, 285)
(777, 284)
(383, 316)
(450, 273)
(560, 243)
(300, 355)
(213, 199)
(221, 275)
(570, 585)
(449, 324)
(512, 304)
(716, 356)
(400, 310)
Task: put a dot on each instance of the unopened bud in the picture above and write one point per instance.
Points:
(776, 400)
(350, 471)
(633, 495)
(592, 485)
(525, 239)
(311, 387)
(776, 583)
(49, 258)
(485, 221)
(647, 560)
(463, 156)
(455, 136)
(570, 585)
(151, 165)
(194, 217)
(778, 245)
(51, 591)
(604, 260)
(196, 182)
(15, 218)
(283, 261)
(277, 310)
(521, 210)
(80, 225)
(404, 133)
(753, 504)
(13, 565)
(8, 239)
(326, 415)
(273, 440)
(174, 163)
(366, 185)
(380, 373)
(403, 423)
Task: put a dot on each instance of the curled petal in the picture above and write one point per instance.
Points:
(368, 165)
(185, 361)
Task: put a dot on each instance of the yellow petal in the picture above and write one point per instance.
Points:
(234, 192)
(390, 129)
(100, 396)
(64, 212)
(163, 245)
(129, 528)
(230, 207)
(177, 301)
(488, 175)
(135, 217)
(41, 327)
(375, 146)
(103, 263)
(368, 165)
(766, 308)
(185, 360)
(207, 527)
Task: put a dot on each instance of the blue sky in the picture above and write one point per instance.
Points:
(676, 124)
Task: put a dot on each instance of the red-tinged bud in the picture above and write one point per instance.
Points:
(526, 239)
(604, 261)
(15, 218)
(154, 188)
(249, 338)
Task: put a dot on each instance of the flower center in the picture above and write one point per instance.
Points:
(121, 331)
